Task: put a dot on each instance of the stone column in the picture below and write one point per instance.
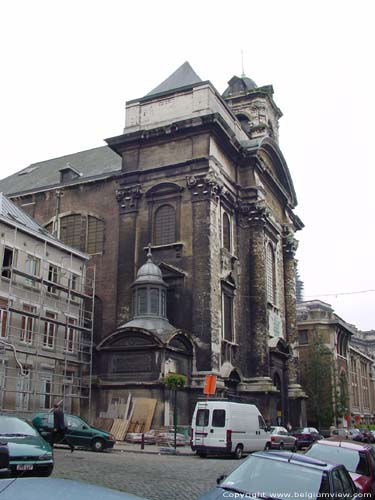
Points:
(128, 198)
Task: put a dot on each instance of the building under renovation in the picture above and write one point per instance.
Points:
(189, 217)
(46, 318)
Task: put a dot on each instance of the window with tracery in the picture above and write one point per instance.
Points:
(165, 225)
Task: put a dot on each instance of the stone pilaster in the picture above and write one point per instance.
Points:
(128, 199)
(258, 354)
(205, 192)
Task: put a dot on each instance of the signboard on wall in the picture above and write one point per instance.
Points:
(210, 385)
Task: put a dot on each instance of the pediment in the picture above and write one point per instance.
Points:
(181, 343)
(171, 272)
(128, 339)
(163, 189)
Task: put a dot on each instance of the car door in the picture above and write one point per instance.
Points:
(46, 426)
(77, 431)
(201, 426)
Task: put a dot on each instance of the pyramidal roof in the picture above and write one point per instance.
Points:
(183, 76)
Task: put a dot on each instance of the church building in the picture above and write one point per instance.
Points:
(189, 218)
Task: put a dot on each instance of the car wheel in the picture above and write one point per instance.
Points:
(201, 454)
(268, 446)
(281, 447)
(97, 445)
(295, 448)
(238, 452)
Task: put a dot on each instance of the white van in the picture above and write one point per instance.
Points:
(227, 428)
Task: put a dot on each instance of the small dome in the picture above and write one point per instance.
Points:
(238, 85)
(149, 272)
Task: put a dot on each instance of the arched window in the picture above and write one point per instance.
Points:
(271, 275)
(84, 232)
(165, 225)
(226, 232)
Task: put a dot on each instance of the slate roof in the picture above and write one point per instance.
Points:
(182, 77)
(90, 164)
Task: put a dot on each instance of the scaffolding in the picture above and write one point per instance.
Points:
(46, 335)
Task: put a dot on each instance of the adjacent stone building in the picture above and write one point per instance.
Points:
(198, 181)
(352, 369)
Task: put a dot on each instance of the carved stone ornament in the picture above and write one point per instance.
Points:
(128, 198)
(259, 212)
(290, 244)
(205, 185)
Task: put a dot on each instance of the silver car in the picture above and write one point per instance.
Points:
(282, 440)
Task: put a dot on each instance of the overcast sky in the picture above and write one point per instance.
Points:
(67, 69)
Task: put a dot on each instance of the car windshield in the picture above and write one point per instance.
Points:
(353, 460)
(264, 477)
(11, 426)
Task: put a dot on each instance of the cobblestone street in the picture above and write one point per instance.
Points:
(152, 476)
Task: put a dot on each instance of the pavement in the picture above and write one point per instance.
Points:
(152, 449)
(148, 474)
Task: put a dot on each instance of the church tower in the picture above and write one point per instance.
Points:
(254, 107)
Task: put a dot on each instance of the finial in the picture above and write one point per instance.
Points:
(149, 254)
(243, 71)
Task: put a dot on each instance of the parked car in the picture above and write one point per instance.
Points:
(44, 489)
(358, 458)
(341, 432)
(356, 435)
(29, 453)
(306, 436)
(368, 436)
(78, 432)
(269, 474)
(282, 440)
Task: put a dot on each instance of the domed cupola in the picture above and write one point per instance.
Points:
(238, 86)
(149, 291)
(150, 299)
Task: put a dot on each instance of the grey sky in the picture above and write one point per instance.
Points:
(68, 68)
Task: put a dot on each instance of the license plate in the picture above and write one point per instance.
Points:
(25, 467)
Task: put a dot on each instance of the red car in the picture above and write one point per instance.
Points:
(306, 436)
(358, 458)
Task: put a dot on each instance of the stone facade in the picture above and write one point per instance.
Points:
(352, 370)
(203, 180)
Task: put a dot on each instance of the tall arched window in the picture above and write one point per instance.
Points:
(271, 275)
(82, 231)
(165, 225)
(226, 232)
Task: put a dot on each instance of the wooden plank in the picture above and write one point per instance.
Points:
(143, 412)
(120, 428)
